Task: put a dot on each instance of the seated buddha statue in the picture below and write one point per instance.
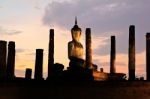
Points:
(75, 48)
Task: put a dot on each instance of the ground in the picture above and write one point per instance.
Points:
(75, 90)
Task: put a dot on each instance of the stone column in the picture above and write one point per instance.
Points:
(88, 49)
(131, 56)
(51, 52)
(148, 56)
(3, 52)
(11, 60)
(101, 70)
(28, 74)
(113, 55)
(38, 74)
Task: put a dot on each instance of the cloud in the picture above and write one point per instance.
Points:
(34, 53)
(19, 73)
(141, 70)
(102, 49)
(20, 50)
(103, 64)
(9, 32)
(37, 7)
(22, 66)
(105, 17)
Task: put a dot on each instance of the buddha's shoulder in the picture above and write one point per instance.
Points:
(80, 45)
(70, 42)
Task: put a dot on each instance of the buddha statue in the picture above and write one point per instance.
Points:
(77, 69)
(75, 48)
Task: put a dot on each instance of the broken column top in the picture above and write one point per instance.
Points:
(2, 41)
(88, 30)
(11, 43)
(132, 28)
(148, 35)
(51, 30)
(28, 73)
(113, 37)
(39, 50)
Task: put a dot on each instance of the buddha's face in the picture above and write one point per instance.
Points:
(76, 35)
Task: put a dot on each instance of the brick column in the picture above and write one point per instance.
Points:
(148, 56)
(132, 52)
(3, 52)
(11, 60)
(51, 52)
(113, 55)
(28, 74)
(38, 74)
(88, 49)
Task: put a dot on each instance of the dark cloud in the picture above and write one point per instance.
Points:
(104, 17)
(102, 49)
(101, 63)
(9, 32)
(20, 50)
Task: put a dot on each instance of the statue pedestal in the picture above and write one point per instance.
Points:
(77, 71)
(76, 63)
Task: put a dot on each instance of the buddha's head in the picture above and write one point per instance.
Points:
(76, 32)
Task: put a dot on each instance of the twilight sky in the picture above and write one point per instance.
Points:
(27, 22)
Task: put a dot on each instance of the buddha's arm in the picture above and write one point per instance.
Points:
(81, 53)
(69, 49)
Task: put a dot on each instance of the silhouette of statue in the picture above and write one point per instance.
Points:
(75, 48)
